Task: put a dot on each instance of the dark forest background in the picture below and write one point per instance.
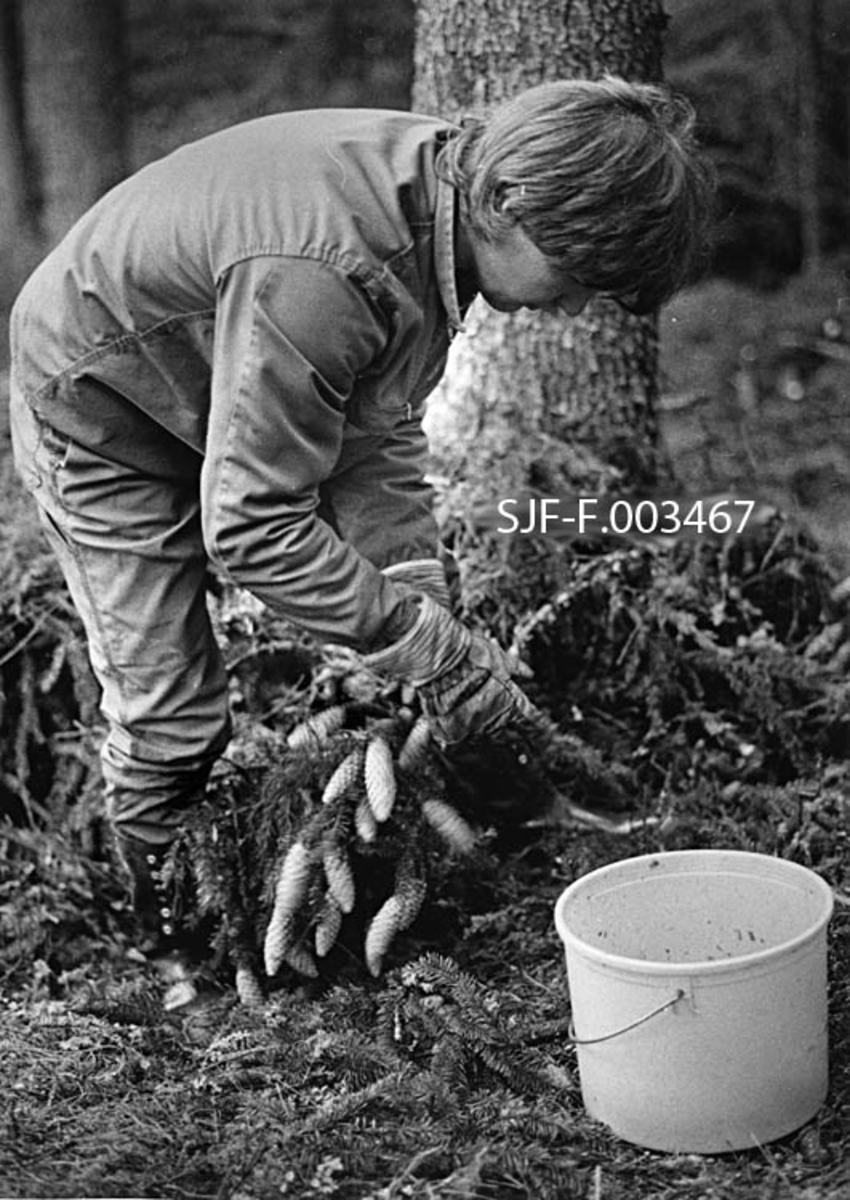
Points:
(129, 80)
(755, 358)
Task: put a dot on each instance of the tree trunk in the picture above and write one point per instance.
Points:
(567, 404)
(74, 103)
(17, 227)
(809, 75)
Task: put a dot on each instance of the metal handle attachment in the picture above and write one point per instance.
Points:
(606, 1037)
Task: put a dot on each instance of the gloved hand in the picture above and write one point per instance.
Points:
(422, 575)
(463, 679)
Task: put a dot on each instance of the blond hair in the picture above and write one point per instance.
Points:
(604, 176)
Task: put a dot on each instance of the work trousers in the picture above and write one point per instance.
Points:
(130, 547)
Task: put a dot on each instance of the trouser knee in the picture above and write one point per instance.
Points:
(151, 786)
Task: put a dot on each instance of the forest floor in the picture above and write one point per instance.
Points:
(707, 686)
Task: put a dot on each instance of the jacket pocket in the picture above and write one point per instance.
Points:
(165, 372)
(100, 418)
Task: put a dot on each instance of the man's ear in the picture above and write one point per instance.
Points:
(508, 199)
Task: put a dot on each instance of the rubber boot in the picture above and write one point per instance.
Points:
(173, 949)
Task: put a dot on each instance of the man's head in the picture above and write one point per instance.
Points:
(603, 177)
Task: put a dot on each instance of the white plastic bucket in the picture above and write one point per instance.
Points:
(698, 989)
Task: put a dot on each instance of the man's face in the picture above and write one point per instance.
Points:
(513, 274)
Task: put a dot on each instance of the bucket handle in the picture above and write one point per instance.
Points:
(606, 1037)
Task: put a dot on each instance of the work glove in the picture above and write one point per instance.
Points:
(422, 575)
(463, 679)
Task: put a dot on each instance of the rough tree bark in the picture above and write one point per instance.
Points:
(566, 404)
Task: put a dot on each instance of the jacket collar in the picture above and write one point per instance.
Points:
(444, 254)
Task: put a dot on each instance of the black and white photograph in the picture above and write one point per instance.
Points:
(425, 599)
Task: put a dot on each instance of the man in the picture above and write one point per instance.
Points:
(225, 362)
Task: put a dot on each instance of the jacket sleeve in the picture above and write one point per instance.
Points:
(377, 497)
(291, 337)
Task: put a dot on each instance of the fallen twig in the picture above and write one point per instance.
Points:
(565, 813)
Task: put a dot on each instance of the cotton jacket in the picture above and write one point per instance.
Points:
(271, 305)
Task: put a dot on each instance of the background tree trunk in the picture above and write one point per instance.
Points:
(808, 78)
(566, 404)
(74, 103)
(17, 225)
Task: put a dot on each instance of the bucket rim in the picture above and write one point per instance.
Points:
(698, 966)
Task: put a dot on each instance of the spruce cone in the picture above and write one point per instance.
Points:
(290, 893)
(364, 821)
(317, 730)
(339, 875)
(248, 988)
(382, 929)
(415, 745)
(328, 926)
(344, 777)
(380, 778)
(410, 892)
(301, 960)
(277, 940)
(450, 825)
